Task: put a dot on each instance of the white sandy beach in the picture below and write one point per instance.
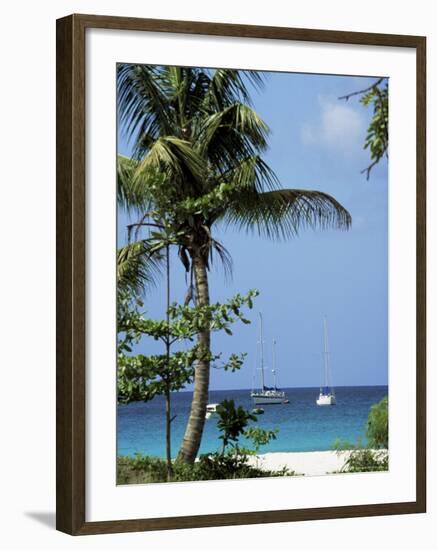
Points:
(307, 463)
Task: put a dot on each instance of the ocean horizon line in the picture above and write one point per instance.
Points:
(293, 388)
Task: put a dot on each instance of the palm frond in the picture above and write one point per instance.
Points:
(176, 159)
(235, 132)
(137, 266)
(228, 86)
(194, 94)
(251, 173)
(143, 104)
(282, 213)
(133, 188)
(225, 257)
(187, 87)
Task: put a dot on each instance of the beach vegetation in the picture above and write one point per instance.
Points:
(142, 377)
(231, 462)
(232, 423)
(212, 466)
(365, 460)
(377, 425)
(372, 457)
(258, 437)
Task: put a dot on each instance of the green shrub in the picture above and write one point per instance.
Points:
(224, 466)
(258, 437)
(373, 457)
(232, 422)
(377, 425)
(146, 469)
(366, 460)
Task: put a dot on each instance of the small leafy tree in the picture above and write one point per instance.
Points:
(373, 457)
(365, 460)
(259, 437)
(377, 425)
(232, 422)
(142, 377)
(232, 461)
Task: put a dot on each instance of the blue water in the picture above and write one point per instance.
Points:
(303, 426)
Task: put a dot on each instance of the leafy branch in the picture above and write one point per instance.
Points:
(377, 138)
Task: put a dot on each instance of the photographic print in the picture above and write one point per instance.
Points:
(252, 274)
(241, 274)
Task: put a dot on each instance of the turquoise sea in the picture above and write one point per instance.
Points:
(303, 426)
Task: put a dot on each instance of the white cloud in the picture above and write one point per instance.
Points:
(340, 126)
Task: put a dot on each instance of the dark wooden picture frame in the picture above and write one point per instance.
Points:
(71, 247)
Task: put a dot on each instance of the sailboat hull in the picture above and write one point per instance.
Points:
(326, 399)
(265, 399)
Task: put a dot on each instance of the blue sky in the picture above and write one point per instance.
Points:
(316, 142)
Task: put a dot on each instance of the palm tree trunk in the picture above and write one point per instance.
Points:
(196, 421)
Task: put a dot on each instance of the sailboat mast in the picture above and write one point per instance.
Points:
(262, 349)
(274, 363)
(326, 353)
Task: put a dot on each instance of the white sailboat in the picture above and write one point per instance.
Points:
(267, 395)
(327, 393)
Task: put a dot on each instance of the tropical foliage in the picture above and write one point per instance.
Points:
(375, 96)
(142, 377)
(198, 163)
(231, 463)
(374, 456)
(377, 131)
(146, 469)
(258, 437)
(365, 460)
(377, 425)
(232, 423)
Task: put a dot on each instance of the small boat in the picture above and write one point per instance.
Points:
(258, 410)
(211, 409)
(326, 399)
(267, 395)
(327, 393)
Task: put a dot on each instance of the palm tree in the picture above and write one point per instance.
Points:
(197, 163)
